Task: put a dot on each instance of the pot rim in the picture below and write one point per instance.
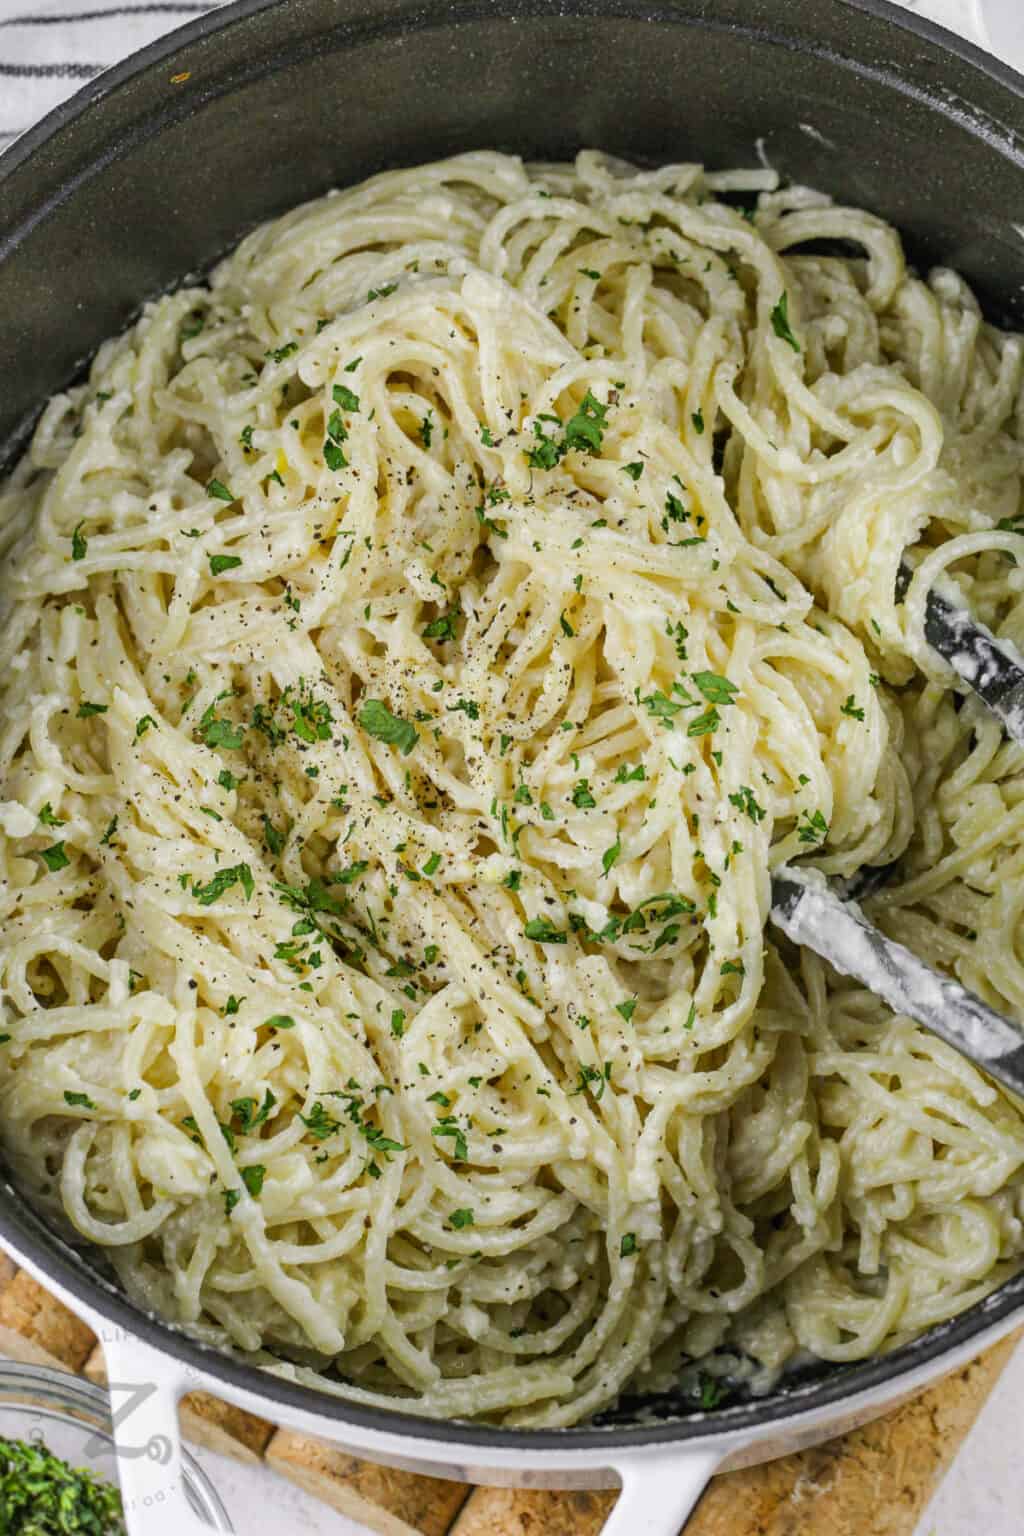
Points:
(225, 15)
(49, 1255)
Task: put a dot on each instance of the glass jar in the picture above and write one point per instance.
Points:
(71, 1417)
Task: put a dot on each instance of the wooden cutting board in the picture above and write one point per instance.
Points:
(874, 1481)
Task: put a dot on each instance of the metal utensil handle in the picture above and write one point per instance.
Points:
(660, 1491)
(811, 914)
(984, 663)
(144, 1390)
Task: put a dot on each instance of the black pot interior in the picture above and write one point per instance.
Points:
(160, 165)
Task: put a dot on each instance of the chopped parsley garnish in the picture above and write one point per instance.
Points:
(381, 292)
(378, 721)
(54, 857)
(220, 563)
(661, 707)
(248, 1116)
(443, 627)
(343, 396)
(319, 1123)
(278, 354)
(546, 452)
(280, 1021)
(274, 839)
(461, 1219)
(850, 708)
(698, 422)
(634, 470)
(582, 799)
(313, 897)
(585, 430)
(333, 456)
(108, 836)
(427, 430)
(219, 490)
(716, 689)
(43, 1496)
(311, 718)
(447, 1128)
(812, 829)
(679, 634)
(252, 1178)
(744, 801)
(780, 323)
(627, 775)
(142, 725)
(220, 733)
(705, 724)
(398, 1022)
(626, 1008)
(588, 1077)
(47, 817)
(542, 931)
(627, 1245)
(350, 873)
(79, 543)
(494, 496)
(223, 880)
(432, 865)
(78, 1100)
(87, 710)
(610, 856)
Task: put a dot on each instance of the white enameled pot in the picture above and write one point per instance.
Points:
(161, 164)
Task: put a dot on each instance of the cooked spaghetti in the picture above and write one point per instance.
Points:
(419, 646)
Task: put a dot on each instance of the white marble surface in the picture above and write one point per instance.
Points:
(983, 1494)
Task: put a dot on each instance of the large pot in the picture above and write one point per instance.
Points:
(159, 165)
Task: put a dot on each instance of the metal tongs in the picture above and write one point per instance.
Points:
(816, 914)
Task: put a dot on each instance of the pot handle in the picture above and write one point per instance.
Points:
(144, 1390)
(660, 1491)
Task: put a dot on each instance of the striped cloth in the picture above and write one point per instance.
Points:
(50, 48)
